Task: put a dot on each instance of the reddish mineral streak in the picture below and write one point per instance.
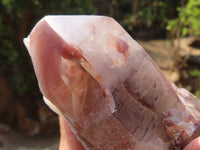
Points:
(122, 46)
(189, 118)
(70, 52)
(136, 94)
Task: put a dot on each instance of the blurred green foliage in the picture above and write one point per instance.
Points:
(196, 73)
(146, 17)
(147, 12)
(197, 94)
(17, 18)
(188, 20)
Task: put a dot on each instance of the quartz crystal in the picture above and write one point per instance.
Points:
(112, 94)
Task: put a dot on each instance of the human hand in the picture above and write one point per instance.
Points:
(68, 140)
(194, 145)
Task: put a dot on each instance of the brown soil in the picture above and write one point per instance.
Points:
(17, 140)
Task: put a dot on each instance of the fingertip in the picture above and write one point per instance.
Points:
(194, 145)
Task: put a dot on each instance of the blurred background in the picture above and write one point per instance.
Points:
(169, 30)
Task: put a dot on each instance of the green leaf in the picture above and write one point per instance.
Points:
(185, 31)
(197, 94)
(189, 19)
(195, 73)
